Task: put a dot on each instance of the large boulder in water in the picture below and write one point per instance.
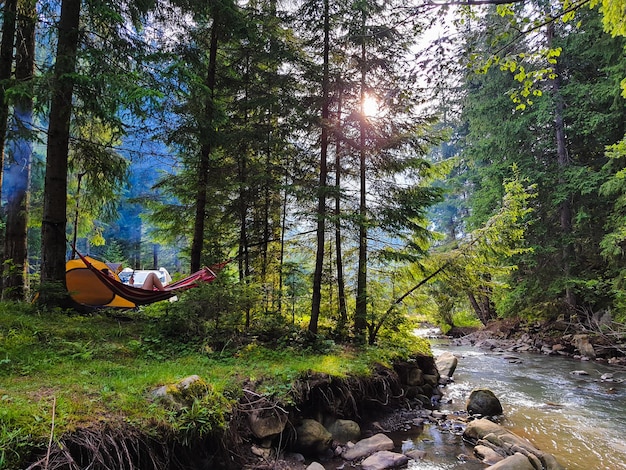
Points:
(482, 432)
(446, 364)
(514, 462)
(368, 446)
(483, 402)
(487, 455)
(383, 460)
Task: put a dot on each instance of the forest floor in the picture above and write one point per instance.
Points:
(71, 382)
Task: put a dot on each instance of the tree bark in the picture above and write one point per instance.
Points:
(53, 241)
(482, 307)
(197, 244)
(321, 204)
(360, 315)
(283, 230)
(15, 272)
(563, 161)
(6, 62)
(267, 196)
(242, 179)
(341, 283)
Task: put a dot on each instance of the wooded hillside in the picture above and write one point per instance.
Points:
(361, 162)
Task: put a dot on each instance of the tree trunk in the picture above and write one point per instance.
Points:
(565, 209)
(53, 241)
(360, 315)
(341, 284)
(244, 253)
(475, 305)
(15, 276)
(321, 204)
(155, 256)
(6, 62)
(482, 307)
(266, 223)
(283, 230)
(197, 244)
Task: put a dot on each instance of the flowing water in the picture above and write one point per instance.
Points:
(580, 419)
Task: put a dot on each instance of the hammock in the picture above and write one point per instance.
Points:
(140, 296)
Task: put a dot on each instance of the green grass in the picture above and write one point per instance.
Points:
(86, 369)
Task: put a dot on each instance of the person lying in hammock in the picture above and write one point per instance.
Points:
(152, 281)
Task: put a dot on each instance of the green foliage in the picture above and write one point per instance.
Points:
(465, 318)
(15, 440)
(213, 312)
(612, 15)
(113, 252)
(565, 259)
(207, 413)
(615, 188)
(482, 262)
(398, 343)
(447, 302)
(614, 240)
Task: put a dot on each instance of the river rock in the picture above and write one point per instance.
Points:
(416, 454)
(344, 430)
(513, 462)
(483, 402)
(182, 393)
(264, 452)
(409, 373)
(312, 437)
(492, 435)
(487, 455)
(431, 379)
(446, 364)
(384, 459)
(315, 466)
(368, 446)
(581, 342)
(265, 423)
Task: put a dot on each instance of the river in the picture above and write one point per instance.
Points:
(580, 419)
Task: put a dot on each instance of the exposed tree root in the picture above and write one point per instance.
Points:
(104, 448)
(119, 446)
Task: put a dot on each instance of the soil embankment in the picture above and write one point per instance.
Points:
(260, 433)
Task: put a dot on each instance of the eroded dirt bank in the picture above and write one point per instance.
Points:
(260, 434)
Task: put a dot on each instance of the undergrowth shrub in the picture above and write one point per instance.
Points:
(207, 413)
(213, 313)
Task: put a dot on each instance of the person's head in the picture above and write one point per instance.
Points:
(107, 271)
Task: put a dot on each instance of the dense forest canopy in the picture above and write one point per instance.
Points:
(358, 160)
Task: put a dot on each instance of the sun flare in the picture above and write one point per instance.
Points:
(370, 106)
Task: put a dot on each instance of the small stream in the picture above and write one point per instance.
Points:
(580, 419)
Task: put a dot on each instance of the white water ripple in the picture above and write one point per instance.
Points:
(581, 419)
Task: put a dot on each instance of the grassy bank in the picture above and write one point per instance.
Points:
(61, 371)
